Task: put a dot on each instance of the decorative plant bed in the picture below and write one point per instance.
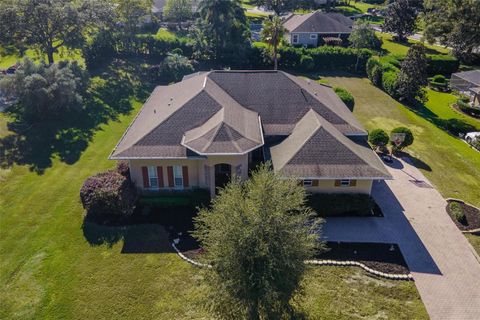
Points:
(385, 260)
(383, 257)
(465, 216)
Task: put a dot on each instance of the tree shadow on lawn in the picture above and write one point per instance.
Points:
(148, 230)
(67, 136)
(452, 126)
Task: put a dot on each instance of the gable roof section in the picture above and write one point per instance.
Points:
(282, 100)
(232, 130)
(319, 22)
(316, 149)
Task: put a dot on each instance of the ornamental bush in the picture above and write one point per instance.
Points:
(378, 138)
(408, 138)
(108, 194)
(458, 127)
(346, 97)
(457, 211)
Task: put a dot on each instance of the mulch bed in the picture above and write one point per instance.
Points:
(378, 256)
(382, 257)
(472, 216)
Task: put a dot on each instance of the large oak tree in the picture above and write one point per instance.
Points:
(48, 25)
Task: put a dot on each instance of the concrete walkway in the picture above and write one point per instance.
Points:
(441, 260)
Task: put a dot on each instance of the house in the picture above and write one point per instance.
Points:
(159, 5)
(467, 82)
(316, 28)
(214, 125)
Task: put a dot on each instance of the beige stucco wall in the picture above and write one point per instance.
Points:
(328, 186)
(196, 169)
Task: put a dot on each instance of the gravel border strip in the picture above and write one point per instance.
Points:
(390, 276)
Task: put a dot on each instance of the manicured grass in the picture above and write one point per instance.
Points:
(474, 240)
(348, 293)
(53, 267)
(398, 48)
(448, 162)
(62, 54)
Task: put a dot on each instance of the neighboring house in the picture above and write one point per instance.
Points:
(467, 82)
(159, 5)
(201, 131)
(313, 29)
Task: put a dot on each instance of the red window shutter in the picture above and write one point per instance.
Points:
(160, 176)
(337, 183)
(146, 182)
(185, 176)
(170, 176)
(353, 183)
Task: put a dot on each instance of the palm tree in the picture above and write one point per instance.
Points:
(272, 33)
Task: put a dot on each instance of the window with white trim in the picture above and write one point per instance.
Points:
(307, 183)
(178, 177)
(152, 177)
(345, 183)
(313, 36)
(295, 38)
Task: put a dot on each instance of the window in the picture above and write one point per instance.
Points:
(295, 38)
(152, 177)
(307, 183)
(313, 36)
(178, 177)
(345, 183)
(207, 175)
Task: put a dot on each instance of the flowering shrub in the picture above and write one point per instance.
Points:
(108, 194)
(123, 169)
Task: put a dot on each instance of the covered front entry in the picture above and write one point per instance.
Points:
(223, 172)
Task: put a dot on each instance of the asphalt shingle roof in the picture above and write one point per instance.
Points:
(229, 112)
(319, 22)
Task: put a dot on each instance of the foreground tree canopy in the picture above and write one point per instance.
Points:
(44, 91)
(455, 23)
(257, 235)
(50, 24)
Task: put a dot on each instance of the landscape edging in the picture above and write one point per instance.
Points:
(318, 262)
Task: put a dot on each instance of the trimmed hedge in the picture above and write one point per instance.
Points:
(390, 84)
(346, 97)
(331, 204)
(442, 64)
(148, 44)
(323, 58)
(168, 199)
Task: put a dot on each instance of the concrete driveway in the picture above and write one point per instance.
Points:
(444, 265)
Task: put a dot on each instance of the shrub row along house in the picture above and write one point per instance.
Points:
(317, 28)
(200, 132)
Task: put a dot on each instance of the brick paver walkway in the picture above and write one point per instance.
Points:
(442, 262)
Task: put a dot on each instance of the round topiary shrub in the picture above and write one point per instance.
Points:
(346, 97)
(378, 138)
(108, 194)
(408, 138)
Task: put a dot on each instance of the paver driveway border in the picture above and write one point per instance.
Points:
(441, 260)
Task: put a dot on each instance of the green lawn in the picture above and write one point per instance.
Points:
(53, 267)
(448, 162)
(398, 48)
(62, 54)
(474, 240)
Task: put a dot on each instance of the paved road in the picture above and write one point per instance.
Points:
(442, 262)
